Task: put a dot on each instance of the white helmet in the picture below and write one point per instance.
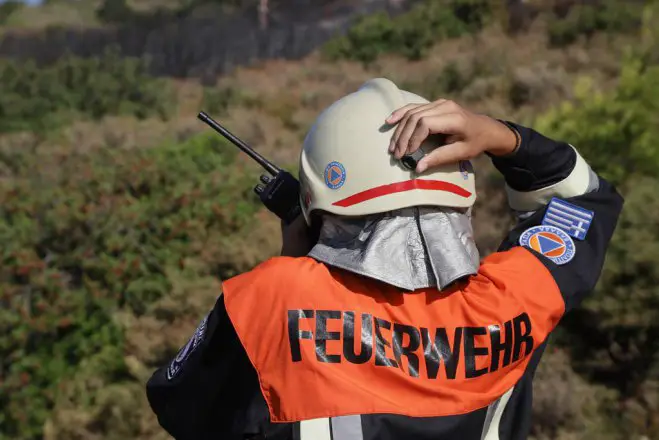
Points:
(346, 169)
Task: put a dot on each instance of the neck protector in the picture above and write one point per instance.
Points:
(410, 248)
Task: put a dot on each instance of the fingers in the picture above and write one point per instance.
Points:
(447, 124)
(403, 114)
(400, 116)
(406, 127)
(417, 123)
(447, 154)
(444, 123)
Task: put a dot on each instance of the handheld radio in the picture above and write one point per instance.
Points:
(279, 193)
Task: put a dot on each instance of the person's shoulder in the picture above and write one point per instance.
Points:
(275, 269)
(514, 268)
(273, 276)
(294, 264)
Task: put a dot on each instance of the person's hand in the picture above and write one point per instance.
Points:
(297, 238)
(466, 134)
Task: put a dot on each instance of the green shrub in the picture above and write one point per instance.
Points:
(614, 337)
(451, 82)
(40, 98)
(617, 132)
(95, 234)
(114, 11)
(585, 20)
(7, 8)
(409, 34)
(217, 100)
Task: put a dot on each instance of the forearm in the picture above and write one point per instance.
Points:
(542, 168)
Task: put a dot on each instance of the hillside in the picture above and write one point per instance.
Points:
(121, 213)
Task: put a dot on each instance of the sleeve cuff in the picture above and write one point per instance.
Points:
(575, 184)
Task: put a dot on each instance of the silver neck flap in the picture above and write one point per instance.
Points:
(410, 248)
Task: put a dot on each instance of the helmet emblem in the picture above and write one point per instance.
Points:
(335, 175)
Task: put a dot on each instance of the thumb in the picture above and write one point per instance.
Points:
(444, 155)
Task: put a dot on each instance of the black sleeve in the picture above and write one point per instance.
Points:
(541, 162)
(210, 390)
(538, 163)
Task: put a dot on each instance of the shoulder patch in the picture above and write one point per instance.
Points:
(550, 241)
(176, 365)
(569, 217)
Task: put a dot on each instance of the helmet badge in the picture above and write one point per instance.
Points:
(335, 175)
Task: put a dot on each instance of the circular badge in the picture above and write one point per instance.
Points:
(335, 175)
(177, 364)
(549, 241)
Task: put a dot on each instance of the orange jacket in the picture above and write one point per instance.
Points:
(327, 343)
(295, 349)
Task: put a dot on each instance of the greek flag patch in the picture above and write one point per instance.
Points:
(572, 219)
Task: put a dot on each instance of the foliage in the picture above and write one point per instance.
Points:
(586, 19)
(451, 81)
(410, 34)
(158, 13)
(614, 338)
(7, 8)
(114, 11)
(616, 131)
(217, 100)
(89, 235)
(102, 250)
(39, 98)
(566, 406)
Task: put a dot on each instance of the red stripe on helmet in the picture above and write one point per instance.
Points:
(379, 191)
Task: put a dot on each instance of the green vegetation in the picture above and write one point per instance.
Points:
(452, 80)
(586, 19)
(112, 254)
(42, 98)
(114, 11)
(614, 337)
(86, 236)
(617, 131)
(218, 100)
(410, 34)
(8, 8)
(414, 32)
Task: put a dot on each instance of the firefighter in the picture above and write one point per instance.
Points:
(386, 324)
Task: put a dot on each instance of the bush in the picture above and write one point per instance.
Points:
(614, 337)
(114, 11)
(7, 8)
(567, 406)
(410, 34)
(451, 81)
(217, 100)
(92, 236)
(617, 132)
(585, 20)
(41, 98)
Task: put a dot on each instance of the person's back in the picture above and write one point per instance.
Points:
(386, 326)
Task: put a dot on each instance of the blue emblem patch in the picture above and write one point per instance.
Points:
(549, 241)
(572, 219)
(335, 175)
(176, 366)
